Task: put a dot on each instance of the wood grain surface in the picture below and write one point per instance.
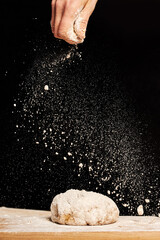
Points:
(32, 224)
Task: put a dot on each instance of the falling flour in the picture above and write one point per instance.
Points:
(46, 87)
(76, 127)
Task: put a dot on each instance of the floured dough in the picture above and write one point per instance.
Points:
(76, 207)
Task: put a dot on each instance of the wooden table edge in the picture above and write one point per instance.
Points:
(136, 235)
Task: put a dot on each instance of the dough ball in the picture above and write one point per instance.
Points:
(76, 207)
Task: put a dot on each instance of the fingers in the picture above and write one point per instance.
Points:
(52, 15)
(59, 10)
(82, 21)
(69, 19)
(65, 28)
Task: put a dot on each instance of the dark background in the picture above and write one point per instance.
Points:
(111, 115)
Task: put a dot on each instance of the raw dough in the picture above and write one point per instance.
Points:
(76, 207)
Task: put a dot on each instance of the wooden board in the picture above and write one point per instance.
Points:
(32, 224)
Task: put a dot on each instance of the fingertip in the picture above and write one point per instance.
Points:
(52, 15)
(72, 42)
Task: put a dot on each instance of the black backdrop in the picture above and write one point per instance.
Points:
(97, 127)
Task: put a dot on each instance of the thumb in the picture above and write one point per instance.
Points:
(81, 22)
(80, 26)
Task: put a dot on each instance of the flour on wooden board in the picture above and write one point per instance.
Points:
(23, 220)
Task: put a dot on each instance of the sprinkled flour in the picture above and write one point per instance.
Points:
(21, 220)
(76, 126)
(97, 144)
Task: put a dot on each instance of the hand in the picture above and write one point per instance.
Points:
(70, 18)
